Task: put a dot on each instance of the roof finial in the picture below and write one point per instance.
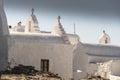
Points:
(59, 19)
(19, 23)
(74, 29)
(103, 31)
(32, 11)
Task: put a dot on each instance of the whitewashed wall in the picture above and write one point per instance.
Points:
(3, 38)
(86, 56)
(30, 52)
(80, 62)
(116, 67)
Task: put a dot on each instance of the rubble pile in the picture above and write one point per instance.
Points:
(94, 78)
(21, 69)
(22, 72)
(26, 77)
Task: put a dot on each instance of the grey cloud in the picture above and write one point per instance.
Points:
(95, 7)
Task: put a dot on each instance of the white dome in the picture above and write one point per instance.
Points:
(104, 38)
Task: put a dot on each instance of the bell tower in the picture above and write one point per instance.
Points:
(59, 30)
(3, 38)
(104, 38)
(32, 24)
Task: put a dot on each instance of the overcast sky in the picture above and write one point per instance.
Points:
(90, 16)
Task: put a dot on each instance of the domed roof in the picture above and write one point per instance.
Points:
(104, 38)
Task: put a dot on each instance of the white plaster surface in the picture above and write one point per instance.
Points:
(116, 67)
(113, 77)
(73, 38)
(3, 20)
(88, 55)
(31, 51)
(3, 38)
(80, 62)
(65, 59)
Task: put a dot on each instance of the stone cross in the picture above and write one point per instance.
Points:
(32, 11)
(103, 31)
(59, 19)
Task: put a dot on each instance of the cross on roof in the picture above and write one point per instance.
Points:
(59, 19)
(32, 11)
(103, 31)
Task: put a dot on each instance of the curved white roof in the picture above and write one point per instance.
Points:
(102, 50)
(44, 38)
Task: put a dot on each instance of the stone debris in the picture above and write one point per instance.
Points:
(94, 78)
(26, 77)
(22, 72)
(21, 69)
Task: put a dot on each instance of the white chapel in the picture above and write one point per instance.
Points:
(56, 51)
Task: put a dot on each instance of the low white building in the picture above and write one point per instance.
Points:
(56, 51)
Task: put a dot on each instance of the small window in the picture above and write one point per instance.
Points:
(44, 65)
